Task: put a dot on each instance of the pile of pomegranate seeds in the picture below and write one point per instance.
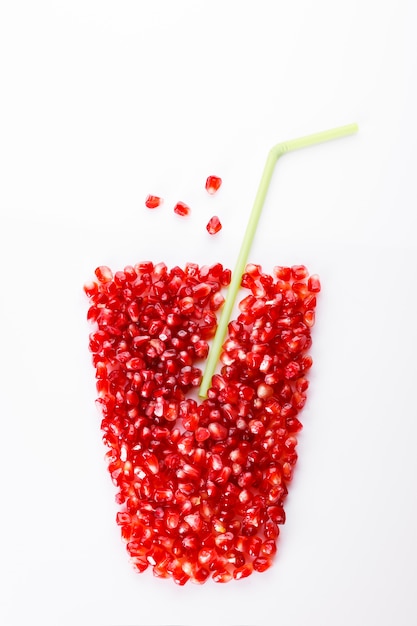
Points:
(201, 484)
(153, 202)
(214, 225)
(213, 184)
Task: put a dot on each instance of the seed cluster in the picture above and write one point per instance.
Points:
(201, 484)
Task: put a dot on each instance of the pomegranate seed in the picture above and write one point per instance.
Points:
(217, 431)
(261, 564)
(268, 548)
(213, 184)
(283, 273)
(299, 272)
(214, 225)
(309, 318)
(123, 518)
(182, 209)
(314, 283)
(222, 576)
(104, 274)
(91, 289)
(201, 434)
(243, 572)
(153, 202)
(201, 485)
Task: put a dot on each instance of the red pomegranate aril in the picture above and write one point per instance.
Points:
(262, 563)
(179, 577)
(309, 318)
(254, 545)
(214, 225)
(282, 273)
(201, 290)
(306, 362)
(276, 514)
(313, 283)
(292, 370)
(153, 202)
(268, 548)
(163, 495)
(224, 542)
(104, 274)
(132, 398)
(91, 289)
(243, 572)
(299, 272)
(271, 530)
(206, 556)
(200, 575)
(264, 391)
(123, 519)
(140, 564)
(217, 431)
(182, 209)
(201, 434)
(172, 519)
(216, 301)
(221, 576)
(213, 184)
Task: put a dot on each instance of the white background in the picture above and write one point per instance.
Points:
(104, 102)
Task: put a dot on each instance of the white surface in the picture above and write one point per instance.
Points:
(105, 102)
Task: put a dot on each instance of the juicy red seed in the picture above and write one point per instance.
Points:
(214, 225)
(276, 514)
(262, 563)
(226, 277)
(182, 209)
(302, 384)
(216, 301)
(132, 398)
(139, 564)
(222, 576)
(201, 485)
(268, 548)
(313, 283)
(201, 434)
(243, 572)
(292, 370)
(264, 391)
(283, 273)
(104, 274)
(309, 318)
(123, 518)
(224, 542)
(194, 521)
(153, 202)
(213, 184)
(91, 289)
(217, 431)
(254, 545)
(271, 530)
(299, 272)
(186, 305)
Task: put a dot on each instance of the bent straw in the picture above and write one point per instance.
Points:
(275, 153)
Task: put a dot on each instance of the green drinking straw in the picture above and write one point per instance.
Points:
(274, 154)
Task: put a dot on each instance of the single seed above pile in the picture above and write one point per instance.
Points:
(201, 484)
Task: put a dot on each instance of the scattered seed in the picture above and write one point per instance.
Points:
(153, 202)
(214, 225)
